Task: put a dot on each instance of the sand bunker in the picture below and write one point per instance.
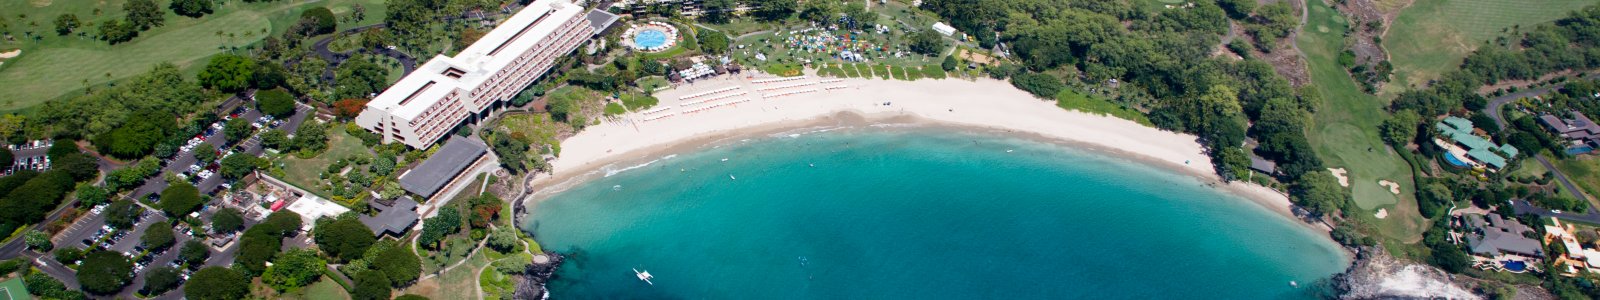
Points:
(1382, 213)
(1393, 187)
(11, 54)
(1344, 181)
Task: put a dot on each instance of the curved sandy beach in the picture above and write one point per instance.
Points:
(676, 126)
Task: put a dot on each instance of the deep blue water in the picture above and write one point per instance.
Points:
(919, 213)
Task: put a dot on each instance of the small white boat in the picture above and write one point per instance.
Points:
(644, 275)
(1008, 150)
(1294, 284)
(730, 176)
(724, 159)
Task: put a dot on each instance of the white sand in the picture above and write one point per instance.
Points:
(1393, 186)
(11, 54)
(984, 103)
(1344, 181)
(1382, 213)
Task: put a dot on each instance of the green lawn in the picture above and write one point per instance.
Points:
(57, 65)
(1432, 36)
(1345, 134)
(1072, 100)
(304, 172)
(1583, 171)
(460, 282)
(322, 289)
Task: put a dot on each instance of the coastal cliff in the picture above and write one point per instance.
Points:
(1377, 275)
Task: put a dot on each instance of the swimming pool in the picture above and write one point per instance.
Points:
(1579, 150)
(650, 39)
(1515, 266)
(1451, 158)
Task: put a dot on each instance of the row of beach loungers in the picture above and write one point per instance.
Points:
(728, 92)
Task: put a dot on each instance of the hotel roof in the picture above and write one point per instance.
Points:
(492, 53)
(452, 158)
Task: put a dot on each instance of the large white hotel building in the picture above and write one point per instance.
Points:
(431, 101)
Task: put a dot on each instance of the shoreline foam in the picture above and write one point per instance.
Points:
(984, 105)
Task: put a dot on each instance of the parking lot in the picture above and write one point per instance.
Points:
(90, 230)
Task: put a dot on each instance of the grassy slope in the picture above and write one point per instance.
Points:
(58, 65)
(320, 290)
(1432, 36)
(1345, 132)
(1584, 171)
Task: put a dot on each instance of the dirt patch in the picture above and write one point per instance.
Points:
(40, 3)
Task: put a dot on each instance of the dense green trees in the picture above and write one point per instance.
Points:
(44, 286)
(774, 10)
(1401, 128)
(114, 31)
(712, 41)
(160, 279)
(294, 269)
(31, 201)
(359, 78)
(1319, 192)
(159, 236)
(239, 164)
(144, 14)
(179, 199)
(191, 8)
(503, 239)
(257, 246)
(317, 20)
(105, 272)
(194, 253)
(927, 43)
(718, 11)
(434, 229)
(371, 285)
(399, 264)
(137, 136)
(66, 23)
(121, 214)
(275, 103)
(344, 238)
(157, 97)
(236, 130)
(227, 73)
(217, 283)
(1039, 84)
(38, 241)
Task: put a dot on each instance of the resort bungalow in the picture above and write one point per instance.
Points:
(1494, 236)
(1466, 149)
(1577, 257)
(1579, 129)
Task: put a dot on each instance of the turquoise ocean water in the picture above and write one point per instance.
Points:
(918, 213)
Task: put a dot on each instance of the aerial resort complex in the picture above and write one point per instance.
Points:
(799, 149)
(442, 93)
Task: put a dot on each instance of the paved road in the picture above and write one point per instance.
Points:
(407, 63)
(1495, 104)
(1495, 109)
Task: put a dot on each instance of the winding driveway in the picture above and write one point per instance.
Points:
(1495, 111)
(320, 48)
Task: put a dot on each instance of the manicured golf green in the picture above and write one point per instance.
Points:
(1345, 132)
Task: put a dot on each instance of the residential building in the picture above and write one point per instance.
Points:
(1465, 146)
(1493, 235)
(440, 95)
(1579, 129)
